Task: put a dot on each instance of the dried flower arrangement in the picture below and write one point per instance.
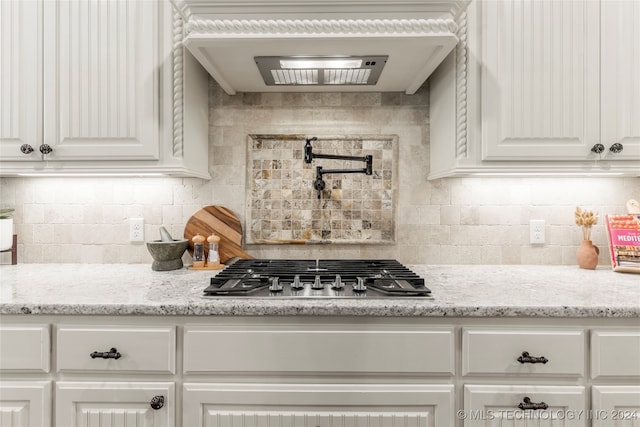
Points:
(585, 219)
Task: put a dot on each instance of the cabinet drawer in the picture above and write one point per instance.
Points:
(318, 349)
(140, 349)
(615, 352)
(24, 348)
(497, 350)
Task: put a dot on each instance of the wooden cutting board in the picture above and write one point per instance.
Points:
(221, 222)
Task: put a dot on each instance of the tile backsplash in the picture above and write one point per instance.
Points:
(283, 205)
(446, 221)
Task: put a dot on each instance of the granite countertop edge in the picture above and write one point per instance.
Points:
(260, 309)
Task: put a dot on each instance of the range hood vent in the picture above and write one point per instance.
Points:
(315, 70)
(243, 43)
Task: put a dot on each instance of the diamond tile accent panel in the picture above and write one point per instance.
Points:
(283, 206)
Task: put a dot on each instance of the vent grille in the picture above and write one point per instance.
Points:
(347, 77)
(274, 70)
(295, 77)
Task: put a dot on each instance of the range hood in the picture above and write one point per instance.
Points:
(320, 45)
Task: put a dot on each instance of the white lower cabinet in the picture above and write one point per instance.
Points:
(318, 405)
(114, 404)
(343, 352)
(615, 361)
(538, 358)
(617, 406)
(25, 350)
(524, 405)
(268, 371)
(25, 403)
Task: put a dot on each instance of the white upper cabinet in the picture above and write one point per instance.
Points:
(100, 79)
(99, 86)
(620, 68)
(539, 79)
(539, 87)
(20, 80)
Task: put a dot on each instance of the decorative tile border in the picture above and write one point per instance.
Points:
(283, 207)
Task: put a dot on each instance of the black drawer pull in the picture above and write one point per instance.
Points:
(525, 358)
(111, 354)
(528, 404)
(157, 402)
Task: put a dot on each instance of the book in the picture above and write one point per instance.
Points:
(623, 233)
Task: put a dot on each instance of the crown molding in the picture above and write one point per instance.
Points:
(322, 26)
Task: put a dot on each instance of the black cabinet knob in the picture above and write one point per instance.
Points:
(157, 402)
(597, 148)
(26, 149)
(616, 148)
(46, 149)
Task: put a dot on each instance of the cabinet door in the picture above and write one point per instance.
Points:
(489, 405)
(101, 79)
(616, 406)
(297, 405)
(25, 403)
(94, 404)
(20, 79)
(540, 79)
(620, 82)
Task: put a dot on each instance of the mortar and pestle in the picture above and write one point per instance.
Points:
(167, 252)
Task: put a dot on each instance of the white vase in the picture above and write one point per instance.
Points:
(6, 233)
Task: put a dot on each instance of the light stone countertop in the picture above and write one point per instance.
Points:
(458, 291)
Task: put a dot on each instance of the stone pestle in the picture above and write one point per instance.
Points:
(165, 236)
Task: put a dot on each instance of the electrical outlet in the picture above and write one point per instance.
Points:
(536, 231)
(136, 229)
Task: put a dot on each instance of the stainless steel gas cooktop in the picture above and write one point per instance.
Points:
(263, 278)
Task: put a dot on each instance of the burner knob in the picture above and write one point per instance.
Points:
(317, 284)
(275, 285)
(359, 286)
(337, 284)
(297, 284)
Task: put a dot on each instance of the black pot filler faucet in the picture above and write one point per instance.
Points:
(319, 183)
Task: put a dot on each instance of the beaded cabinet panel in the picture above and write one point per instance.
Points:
(283, 206)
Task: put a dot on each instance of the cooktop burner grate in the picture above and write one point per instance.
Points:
(317, 279)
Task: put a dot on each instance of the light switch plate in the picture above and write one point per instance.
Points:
(536, 231)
